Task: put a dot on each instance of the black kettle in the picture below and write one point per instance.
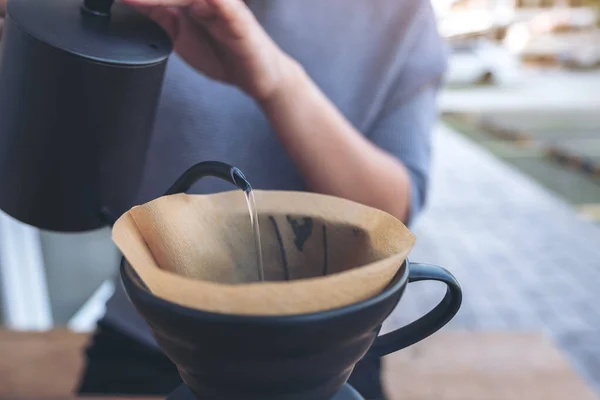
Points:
(80, 82)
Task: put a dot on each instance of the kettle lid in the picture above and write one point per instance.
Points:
(116, 35)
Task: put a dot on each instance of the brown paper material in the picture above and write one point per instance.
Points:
(320, 252)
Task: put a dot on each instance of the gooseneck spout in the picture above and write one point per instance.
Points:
(196, 172)
(216, 169)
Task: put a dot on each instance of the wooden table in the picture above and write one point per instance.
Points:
(447, 366)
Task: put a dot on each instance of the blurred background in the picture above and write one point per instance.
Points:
(514, 205)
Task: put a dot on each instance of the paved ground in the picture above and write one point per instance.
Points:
(574, 133)
(525, 259)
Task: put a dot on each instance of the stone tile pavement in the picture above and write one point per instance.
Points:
(525, 259)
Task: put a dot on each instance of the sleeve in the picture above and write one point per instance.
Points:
(404, 124)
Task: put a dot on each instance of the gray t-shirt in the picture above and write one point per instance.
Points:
(379, 61)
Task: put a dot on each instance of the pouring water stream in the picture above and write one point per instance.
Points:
(255, 231)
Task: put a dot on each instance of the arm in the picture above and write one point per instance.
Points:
(332, 156)
(386, 167)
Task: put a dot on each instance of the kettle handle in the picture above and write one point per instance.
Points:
(196, 172)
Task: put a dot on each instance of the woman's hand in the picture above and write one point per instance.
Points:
(223, 40)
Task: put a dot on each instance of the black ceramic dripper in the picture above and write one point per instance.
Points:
(79, 86)
(304, 357)
(224, 352)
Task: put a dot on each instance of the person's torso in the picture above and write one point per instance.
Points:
(345, 46)
(199, 119)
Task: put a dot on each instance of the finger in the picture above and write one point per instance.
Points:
(225, 18)
(159, 3)
(2, 8)
(230, 17)
(168, 18)
(200, 6)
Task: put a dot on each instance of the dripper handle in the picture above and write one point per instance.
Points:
(203, 169)
(428, 324)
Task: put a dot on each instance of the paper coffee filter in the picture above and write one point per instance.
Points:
(320, 252)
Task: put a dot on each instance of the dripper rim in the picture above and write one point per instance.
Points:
(132, 282)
